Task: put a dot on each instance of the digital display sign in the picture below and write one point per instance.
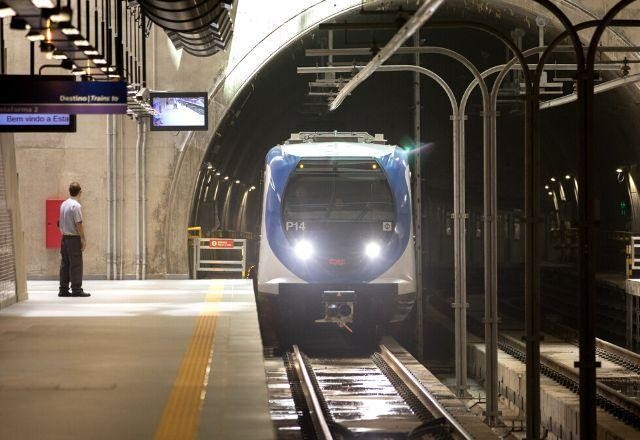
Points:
(37, 122)
(61, 94)
(175, 111)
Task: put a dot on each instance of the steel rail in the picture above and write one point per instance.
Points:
(421, 392)
(618, 351)
(605, 391)
(320, 425)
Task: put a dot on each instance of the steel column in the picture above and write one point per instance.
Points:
(417, 200)
(119, 48)
(3, 68)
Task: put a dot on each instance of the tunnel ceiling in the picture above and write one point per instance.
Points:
(276, 104)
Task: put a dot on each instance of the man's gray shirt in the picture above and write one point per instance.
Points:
(70, 214)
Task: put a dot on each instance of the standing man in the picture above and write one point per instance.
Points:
(73, 244)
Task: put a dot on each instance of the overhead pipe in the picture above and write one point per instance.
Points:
(120, 199)
(138, 253)
(143, 172)
(111, 223)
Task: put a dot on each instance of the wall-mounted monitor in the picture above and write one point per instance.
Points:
(177, 111)
(37, 123)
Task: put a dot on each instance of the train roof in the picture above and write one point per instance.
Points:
(337, 149)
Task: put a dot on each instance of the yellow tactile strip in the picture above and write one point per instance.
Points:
(182, 412)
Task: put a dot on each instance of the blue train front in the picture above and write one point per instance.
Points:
(336, 234)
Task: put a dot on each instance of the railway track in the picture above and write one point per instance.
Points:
(623, 406)
(390, 402)
(618, 393)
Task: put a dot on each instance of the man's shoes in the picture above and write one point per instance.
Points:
(82, 294)
(64, 293)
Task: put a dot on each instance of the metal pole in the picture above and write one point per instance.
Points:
(586, 263)
(111, 224)
(138, 253)
(32, 58)
(2, 66)
(118, 40)
(417, 197)
(143, 178)
(143, 24)
(459, 236)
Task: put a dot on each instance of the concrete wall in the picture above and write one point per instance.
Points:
(16, 289)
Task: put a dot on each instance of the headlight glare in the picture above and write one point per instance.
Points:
(303, 249)
(372, 250)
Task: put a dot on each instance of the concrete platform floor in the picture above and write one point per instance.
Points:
(137, 360)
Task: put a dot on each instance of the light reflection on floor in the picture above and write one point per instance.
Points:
(361, 397)
(129, 298)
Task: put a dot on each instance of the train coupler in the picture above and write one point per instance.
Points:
(338, 307)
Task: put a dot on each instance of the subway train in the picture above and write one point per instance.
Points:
(336, 243)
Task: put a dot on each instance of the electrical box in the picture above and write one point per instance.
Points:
(53, 234)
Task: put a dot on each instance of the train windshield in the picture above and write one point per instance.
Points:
(339, 191)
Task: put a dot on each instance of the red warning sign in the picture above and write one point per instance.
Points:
(221, 243)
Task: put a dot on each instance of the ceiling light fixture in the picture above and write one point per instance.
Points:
(68, 29)
(91, 52)
(34, 36)
(43, 4)
(61, 15)
(78, 71)
(99, 61)
(59, 55)
(6, 11)
(81, 42)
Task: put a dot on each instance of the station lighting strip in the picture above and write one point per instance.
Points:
(115, 50)
(210, 167)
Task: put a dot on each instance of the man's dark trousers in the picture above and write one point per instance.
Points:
(71, 264)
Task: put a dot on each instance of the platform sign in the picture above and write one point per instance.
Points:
(23, 94)
(37, 122)
(221, 243)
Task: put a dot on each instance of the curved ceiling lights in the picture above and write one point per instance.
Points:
(200, 27)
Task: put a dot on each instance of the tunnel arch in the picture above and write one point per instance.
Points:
(229, 85)
(222, 95)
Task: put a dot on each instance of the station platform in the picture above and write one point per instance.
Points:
(137, 360)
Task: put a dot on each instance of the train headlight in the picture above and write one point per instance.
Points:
(303, 249)
(372, 250)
